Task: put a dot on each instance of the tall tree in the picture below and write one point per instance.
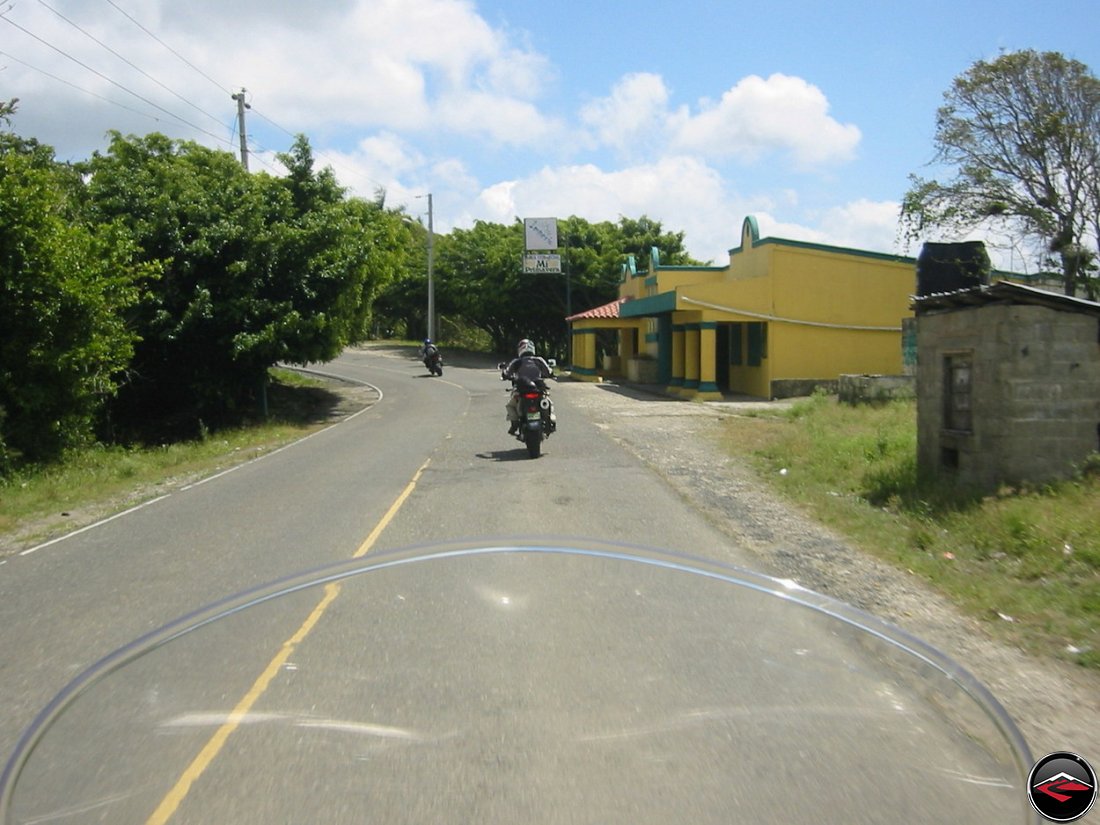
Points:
(256, 270)
(65, 290)
(1023, 135)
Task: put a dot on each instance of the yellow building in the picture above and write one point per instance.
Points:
(782, 317)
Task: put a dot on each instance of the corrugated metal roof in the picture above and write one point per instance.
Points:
(1003, 292)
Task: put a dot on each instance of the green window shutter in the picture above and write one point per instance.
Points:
(758, 344)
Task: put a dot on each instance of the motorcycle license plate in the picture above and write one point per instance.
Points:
(533, 415)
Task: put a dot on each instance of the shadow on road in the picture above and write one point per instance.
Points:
(517, 454)
(642, 392)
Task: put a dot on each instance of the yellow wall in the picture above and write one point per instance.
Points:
(842, 288)
(828, 311)
(807, 296)
(668, 280)
(632, 287)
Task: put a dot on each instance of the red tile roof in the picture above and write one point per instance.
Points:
(606, 311)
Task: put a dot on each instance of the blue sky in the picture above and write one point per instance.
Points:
(807, 115)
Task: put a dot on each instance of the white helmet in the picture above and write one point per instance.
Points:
(526, 347)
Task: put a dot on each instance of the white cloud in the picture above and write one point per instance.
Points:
(388, 155)
(634, 113)
(415, 65)
(753, 120)
(681, 192)
(863, 224)
(759, 116)
(410, 66)
(686, 195)
(503, 120)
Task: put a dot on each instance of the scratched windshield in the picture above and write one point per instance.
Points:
(588, 684)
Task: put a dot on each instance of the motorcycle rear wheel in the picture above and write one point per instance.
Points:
(533, 439)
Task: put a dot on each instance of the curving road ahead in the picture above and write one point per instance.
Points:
(488, 688)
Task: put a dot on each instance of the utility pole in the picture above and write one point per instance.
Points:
(241, 106)
(431, 281)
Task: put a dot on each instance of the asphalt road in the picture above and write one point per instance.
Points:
(526, 685)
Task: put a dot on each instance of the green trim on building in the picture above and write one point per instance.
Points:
(664, 349)
(708, 386)
(650, 305)
(820, 247)
(751, 224)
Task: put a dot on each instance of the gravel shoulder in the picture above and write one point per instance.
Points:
(1055, 705)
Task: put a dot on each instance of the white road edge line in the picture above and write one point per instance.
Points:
(186, 487)
(99, 523)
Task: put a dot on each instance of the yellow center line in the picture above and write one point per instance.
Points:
(368, 543)
(213, 747)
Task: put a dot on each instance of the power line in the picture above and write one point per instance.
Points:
(128, 62)
(115, 83)
(79, 88)
(183, 59)
(195, 69)
(320, 154)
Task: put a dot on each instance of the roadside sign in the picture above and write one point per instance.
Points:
(541, 264)
(540, 233)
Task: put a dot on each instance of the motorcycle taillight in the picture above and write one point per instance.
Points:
(530, 395)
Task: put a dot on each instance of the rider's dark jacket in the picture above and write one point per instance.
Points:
(532, 367)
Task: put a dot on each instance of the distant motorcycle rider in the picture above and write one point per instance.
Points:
(525, 365)
(427, 352)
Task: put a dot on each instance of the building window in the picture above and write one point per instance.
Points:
(758, 343)
(736, 345)
(957, 392)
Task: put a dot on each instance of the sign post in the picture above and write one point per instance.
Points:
(541, 241)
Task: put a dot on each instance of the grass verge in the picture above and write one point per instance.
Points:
(1025, 560)
(96, 482)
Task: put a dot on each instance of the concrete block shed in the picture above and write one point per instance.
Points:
(1008, 384)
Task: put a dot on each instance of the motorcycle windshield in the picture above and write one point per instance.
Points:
(507, 684)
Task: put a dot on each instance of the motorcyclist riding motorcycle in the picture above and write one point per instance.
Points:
(525, 365)
(429, 353)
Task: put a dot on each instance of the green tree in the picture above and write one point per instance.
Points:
(257, 270)
(400, 308)
(480, 277)
(477, 273)
(65, 289)
(1022, 133)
